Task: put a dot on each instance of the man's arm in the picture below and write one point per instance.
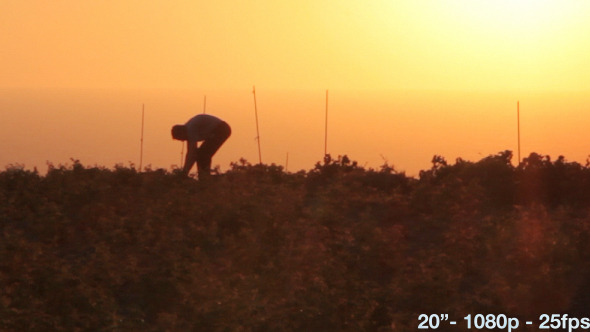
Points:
(191, 156)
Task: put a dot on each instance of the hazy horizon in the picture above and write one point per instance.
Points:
(403, 128)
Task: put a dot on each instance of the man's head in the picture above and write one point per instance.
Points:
(179, 133)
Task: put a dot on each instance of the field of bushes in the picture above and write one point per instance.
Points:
(335, 248)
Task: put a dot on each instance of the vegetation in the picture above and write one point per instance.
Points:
(336, 248)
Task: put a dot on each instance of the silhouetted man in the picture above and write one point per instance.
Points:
(203, 127)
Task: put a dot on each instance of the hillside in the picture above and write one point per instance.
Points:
(336, 248)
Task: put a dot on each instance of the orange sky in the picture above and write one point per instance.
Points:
(456, 44)
(452, 57)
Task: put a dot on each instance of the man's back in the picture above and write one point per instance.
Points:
(201, 126)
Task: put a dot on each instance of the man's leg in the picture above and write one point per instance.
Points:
(209, 148)
(203, 162)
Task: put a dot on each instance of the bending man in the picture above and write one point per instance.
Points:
(203, 127)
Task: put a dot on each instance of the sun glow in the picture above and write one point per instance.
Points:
(464, 44)
(532, 19)
(502, 17)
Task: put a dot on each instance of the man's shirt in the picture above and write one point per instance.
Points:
(200, 127)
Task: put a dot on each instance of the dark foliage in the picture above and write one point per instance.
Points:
(337, 248)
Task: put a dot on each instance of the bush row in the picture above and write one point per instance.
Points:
(335, 248)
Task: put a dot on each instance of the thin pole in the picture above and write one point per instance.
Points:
(181, 154)
(141, 145)
(518, 127)
(205, 104)
(287, 163)
(326, 129)
(257, 129)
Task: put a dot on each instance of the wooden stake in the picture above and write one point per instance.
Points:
(518, 127)
(326, 128)
(205, 104)
(287, 163)
(141, 141)
(182, 154)
(257, 129)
